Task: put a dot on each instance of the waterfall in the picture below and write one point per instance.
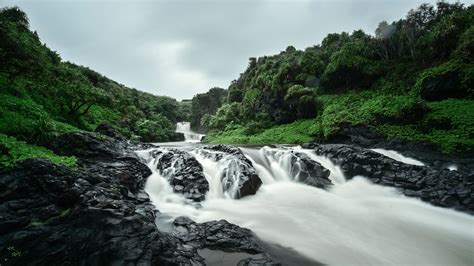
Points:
(189, 135)
(355, 222)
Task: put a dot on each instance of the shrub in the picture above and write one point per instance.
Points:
(13, 150)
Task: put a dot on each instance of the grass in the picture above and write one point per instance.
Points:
(297, 132)
(13, 150)
(448, 123)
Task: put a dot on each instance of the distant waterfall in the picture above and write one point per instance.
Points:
(189, 135)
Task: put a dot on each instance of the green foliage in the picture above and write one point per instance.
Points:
(351, 65)
(302, 101)
(41, 96)
(465, 49)
(226, 114)
(13, 150)
(155, 129)
(448, 123)
(14, 252)
(453, 66)
(356, 79)
(295, 133)
(205, 104)
(365, 108)
(26, 120)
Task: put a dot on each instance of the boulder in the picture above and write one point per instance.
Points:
(310, 172)
(89, 146)
(110, 131)
(184, 173)
(238, 169)
(220, 235)
(440, 187)
(443, 86)
(53, 214)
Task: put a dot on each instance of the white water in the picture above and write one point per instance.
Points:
(189, 135)
(452, 167)
(355, 223)
(398, 157)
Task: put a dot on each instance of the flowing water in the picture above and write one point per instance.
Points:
(189, 135)
(356, 222)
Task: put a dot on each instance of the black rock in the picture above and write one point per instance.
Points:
(440, 187)
(89, 146)
(311, 172)
(110, 131)
(51, 214)
(184, 173)
(220, 235)
(443, 86)
(239, 169)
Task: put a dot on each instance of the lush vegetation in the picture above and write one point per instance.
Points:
(41, 96)
(413, 79)
(12, 150)
(205, 104)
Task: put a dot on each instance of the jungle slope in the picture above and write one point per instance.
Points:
(413, 80)
(41, 97)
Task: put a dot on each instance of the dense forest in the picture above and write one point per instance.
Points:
(413, 79)
(42, 96)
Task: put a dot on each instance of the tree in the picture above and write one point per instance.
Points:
(156, 128)
(383, 41)
(206, 103)
(302, 100)
(226, 114)
(75, 94)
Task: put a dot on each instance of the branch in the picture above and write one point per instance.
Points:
(86, 110)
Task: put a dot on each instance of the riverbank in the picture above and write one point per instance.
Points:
(448, 124)
(107, 208)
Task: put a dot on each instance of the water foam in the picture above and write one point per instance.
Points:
(356, 222)
(189, 135)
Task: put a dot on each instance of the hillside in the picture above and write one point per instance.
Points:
(413, 80)
(42, 96)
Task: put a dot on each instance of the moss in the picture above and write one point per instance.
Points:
(450, 66)
(449, 124)
(13, 150)
(14, 252)
(364, 108)
(295, 133)
(35, 223)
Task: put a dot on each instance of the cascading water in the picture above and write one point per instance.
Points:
(189, 135)
(355, 222)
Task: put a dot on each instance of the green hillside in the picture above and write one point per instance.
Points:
(42, 96)
(412, 80)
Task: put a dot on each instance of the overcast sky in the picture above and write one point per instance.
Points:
(180, 48)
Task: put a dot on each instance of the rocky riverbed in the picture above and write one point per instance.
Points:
(99, 213)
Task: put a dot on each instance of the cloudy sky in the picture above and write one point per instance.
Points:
(183, 47)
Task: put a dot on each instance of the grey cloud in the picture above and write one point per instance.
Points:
(180, 48)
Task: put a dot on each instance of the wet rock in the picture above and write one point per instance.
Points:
(257, 262)
(311, 172)
(110, 131)
(425, 151)
(53, 214)
(220, 235)
(436, 186)
(184, 173)
(89, 146)
(238, 169)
